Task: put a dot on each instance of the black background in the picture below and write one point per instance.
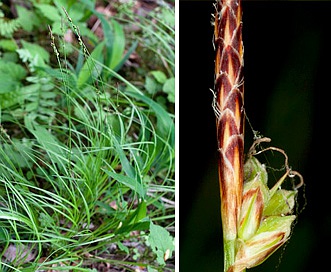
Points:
(287, 98)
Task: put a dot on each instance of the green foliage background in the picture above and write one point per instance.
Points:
(86, 136)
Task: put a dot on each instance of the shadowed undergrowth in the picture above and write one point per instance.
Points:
(86, 168)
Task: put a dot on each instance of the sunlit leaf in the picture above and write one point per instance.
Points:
(162, 243)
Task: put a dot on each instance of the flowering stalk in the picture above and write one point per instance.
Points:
(256, 220)
(228, 106)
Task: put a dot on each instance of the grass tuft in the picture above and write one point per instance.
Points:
(84, 181)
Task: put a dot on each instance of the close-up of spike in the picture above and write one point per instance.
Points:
(229, 95)
(253, 226)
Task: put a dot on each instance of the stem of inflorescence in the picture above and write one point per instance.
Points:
(229, 101)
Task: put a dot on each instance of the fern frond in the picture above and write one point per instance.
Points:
(8, 27)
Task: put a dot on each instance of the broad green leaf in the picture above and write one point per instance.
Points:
(126, 56)
(27, 18)
(136, 220)
(49, 11)
(161, 242)
(12, 70)
(75, 11)
(118, 45)
(107, 30)
(10, 76)
(7, 84)
(90, 67)
(169, 88)
(114, 38)
(143, 225)
(57, 28)
(159, 76)
(9, 99)
(89, 4)
(8, 44)
(138, 214)
(123, 247)
(86, 32)
(151, 85)
(10, 56)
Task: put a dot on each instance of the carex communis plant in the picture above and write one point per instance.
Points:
(256, 219)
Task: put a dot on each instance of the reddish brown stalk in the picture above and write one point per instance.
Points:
(229, 102)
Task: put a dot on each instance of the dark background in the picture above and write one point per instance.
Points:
(287, 98)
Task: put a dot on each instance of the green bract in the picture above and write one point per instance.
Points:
(265, 219)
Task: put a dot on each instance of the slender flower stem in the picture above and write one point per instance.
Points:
(229, 109)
